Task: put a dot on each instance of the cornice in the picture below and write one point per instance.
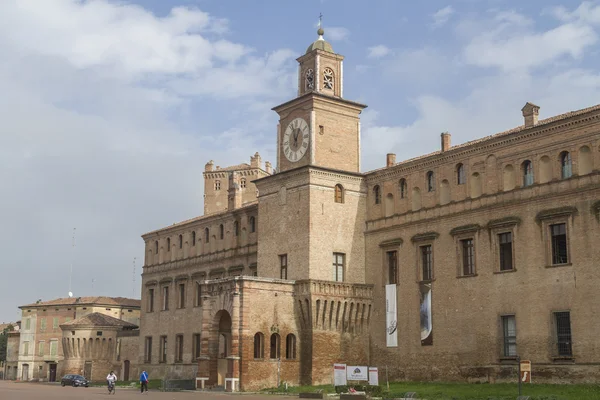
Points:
(504, 222)
(312, 96)
(391, 243)
(424, 237)
(470, 228)
(556, 213)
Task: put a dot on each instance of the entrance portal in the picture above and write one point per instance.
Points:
(52, 377)
(223, 345)
(126, 370)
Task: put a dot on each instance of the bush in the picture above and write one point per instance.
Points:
(372, 390)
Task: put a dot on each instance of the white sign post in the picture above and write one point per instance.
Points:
(339, 375)
(356, 373)
(391, 316)
(373, 376)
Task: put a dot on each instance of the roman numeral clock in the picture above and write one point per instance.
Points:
(296, 139)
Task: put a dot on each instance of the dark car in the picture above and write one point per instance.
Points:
(74, 380)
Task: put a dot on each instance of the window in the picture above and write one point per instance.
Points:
(181, 303)
(181, 241)
(339, 193)
(54, 348)
(509, 329)
(168, 244)
(156, 247)
(426, 262)
(217, 185)
(206, 235)
(290, 347)
(165, 304)
(252, 224)
(430, 182)
(253, 271)
(55, 323)
(150, 300)
(403, 188)
(309, 79)
(41, 348)
(43, 324)
(28, 324)
(221, 231)
(275, 346)
(566, 167)
(259, 340)
(198, 296)
(558, 233)
(506, 253)
(25, 348)
(377, 194)
(328, 78)
(338, 267)
(563, 333)
(193, 238)
(163, 349)
(392, 261)
(236, 228)
(468, 257)
(243, 183)
(179, 348)
(461, 176)
(527, 173)
(148, 349)
(197, 344)
(283, 266)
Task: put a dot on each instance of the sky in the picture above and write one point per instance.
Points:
(110, 109)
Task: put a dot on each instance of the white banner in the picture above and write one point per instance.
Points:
(355, 373)
(373, 376)
(391, 316)
(339, 375)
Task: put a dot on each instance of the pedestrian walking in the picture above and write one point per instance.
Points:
(144, 381)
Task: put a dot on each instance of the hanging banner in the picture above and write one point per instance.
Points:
(373, 376)
(391, 316)
(339, 375)
(426, 323)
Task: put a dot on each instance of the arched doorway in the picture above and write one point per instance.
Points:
(126, 370)
(223, 322)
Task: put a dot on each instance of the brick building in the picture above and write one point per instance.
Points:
(446, 266)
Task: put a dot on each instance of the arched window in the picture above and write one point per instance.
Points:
(252, 224)
(565, 163)
(339, 193)
(180, 241)
(259, 345)
(193, 238)
(527, 168)
(275, 346)
(403, 188)
(377, 194)
(243, 183)
(290, 347)
(217, 185)
(156, 247)
(221, 231)
(206, 235)
(328, 78)
(430, 181)
(236, 228)
(309, 79)
(168, 244)
(461, 177)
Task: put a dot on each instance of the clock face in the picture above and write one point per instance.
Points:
(295, 139)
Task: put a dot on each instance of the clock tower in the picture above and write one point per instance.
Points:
(319, 127)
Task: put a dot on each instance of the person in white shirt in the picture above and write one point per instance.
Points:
(111, 379)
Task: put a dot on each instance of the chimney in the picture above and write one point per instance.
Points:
(445, 141)
(255, 161)
(530, 113)
(209, 166)
(268, 168)
(234, 195)
(390, 160)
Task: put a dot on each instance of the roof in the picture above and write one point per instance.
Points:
(98, 320)
(320, 43)
(518, 129)
(3, 326)
(238, 167)
(99, 300)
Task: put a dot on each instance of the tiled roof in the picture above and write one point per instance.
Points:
(521, 128)
(233, 168)
(98, 320)
(100, 300)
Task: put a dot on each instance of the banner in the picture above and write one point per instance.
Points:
(355, 373)
(426, 323)
(373, 376)
(391, 316)
(339, 375)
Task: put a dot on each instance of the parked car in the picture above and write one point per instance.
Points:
(74, 380)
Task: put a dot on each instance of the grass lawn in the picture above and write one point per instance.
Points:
(463, 391)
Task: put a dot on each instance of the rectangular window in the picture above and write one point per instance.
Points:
(253, 272)
(26, 348)
(43, 325)
(198, 295)
(179, 348)
(181, 296)
(53, 348)
(559, 244)
(392, 261)
(150, 300)
(148, 349)
(55, 323)
(468, 257)
(197, 346)
(509, 329)
(41, 349)
(506, 256)
(165, 305)
(28, 324)
(338, 266)
(563, 333)
(163, 349)
(283, 266)
(427, 262)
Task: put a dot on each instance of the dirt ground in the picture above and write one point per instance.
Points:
(39, 391)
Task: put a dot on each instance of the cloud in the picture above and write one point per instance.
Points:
(441, 16)
(336, 33)
(378, 51)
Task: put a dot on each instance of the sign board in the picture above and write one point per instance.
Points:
(525, 371)
(339, 375)
(354, 373)
(391, 316)
(373, 376)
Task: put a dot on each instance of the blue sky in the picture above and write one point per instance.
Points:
(111, 109)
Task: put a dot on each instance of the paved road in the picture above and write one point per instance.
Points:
(38, 391)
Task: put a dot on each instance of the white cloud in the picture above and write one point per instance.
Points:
(441, 16)
(378, 51)
(587, 11)
(336, 33)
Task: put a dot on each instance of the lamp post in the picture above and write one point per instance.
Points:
(519, 373)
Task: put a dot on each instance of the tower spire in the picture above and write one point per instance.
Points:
(320, 31)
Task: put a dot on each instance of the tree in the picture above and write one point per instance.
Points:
(3, 341)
